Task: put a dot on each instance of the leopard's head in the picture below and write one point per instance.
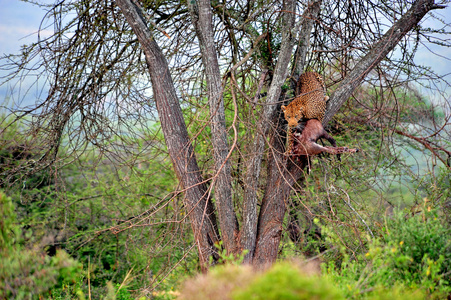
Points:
(292, 114)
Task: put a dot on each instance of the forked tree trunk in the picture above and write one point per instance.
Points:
(261, 237)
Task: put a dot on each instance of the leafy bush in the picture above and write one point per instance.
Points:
(29, 273)
(421, 248)
(413, 257)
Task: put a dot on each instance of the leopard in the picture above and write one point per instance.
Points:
(310, 102)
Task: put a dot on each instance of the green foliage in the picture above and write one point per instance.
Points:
(270, 46)
(117, 292)
(80, 210)
(224, 258)
(17, 151)
(29, 273)
(284, 280)
(111, 200)
(413, 256)
(8, 231)
(422, 247)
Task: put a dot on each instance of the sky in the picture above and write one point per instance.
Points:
(19, 23)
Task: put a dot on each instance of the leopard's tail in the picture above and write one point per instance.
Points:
(289, 140)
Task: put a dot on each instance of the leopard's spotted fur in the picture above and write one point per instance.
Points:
(309, 104)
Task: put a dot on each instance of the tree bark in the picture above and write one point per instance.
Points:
(377, 53)
(198, 206)
(201, 16)
(283, 174)
(249, 231)
(308, 18)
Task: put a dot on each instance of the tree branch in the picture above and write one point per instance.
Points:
(377, 53)
(308, 17)
(201, 16)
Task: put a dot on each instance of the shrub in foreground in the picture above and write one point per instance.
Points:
(284, 280)
(29, 273)
(411, 260)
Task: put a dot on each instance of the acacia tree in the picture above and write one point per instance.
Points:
(247, 51)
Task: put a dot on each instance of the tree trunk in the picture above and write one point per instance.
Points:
(198, 206)
(308, 18)
(283, 174)
(201, 16)
(249, 231)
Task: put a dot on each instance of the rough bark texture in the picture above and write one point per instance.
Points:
(198, 206)
(282, 176)
(378, 52)
(249, 231)
(201, 16)
(308, 18)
